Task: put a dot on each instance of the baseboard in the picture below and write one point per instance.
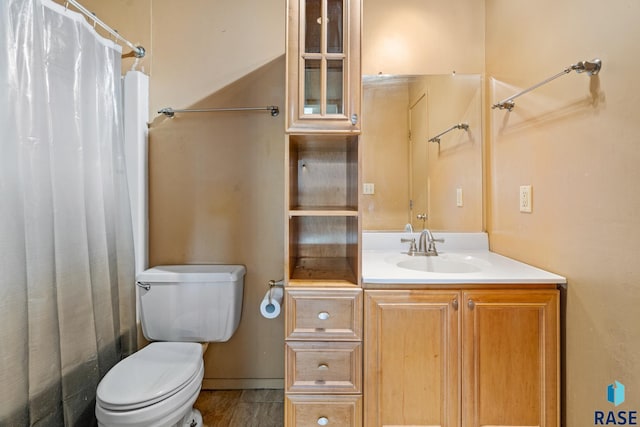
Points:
(243, 383)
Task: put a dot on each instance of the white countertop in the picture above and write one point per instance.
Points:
(464, 258)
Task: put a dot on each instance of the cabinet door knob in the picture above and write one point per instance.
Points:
(323, 421)
(323, 367)
(323, 315)
(471, 304)
(454, 303)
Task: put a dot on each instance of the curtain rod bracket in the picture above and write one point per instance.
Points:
(138, 50)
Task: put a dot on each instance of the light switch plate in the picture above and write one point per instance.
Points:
(459, 197)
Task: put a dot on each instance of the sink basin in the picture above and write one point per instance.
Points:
(434, 264)
(446, 264)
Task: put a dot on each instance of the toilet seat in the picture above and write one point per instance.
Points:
(151, 375)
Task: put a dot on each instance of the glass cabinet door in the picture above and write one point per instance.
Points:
(323, 57)
(327, 65)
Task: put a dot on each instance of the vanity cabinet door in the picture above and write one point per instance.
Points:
(411, 358)
(510, 358)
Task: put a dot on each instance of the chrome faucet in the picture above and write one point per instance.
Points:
(427, 243)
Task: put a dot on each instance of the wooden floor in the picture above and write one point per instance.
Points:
(241, 408)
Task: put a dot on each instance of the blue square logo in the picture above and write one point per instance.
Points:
(615, 393)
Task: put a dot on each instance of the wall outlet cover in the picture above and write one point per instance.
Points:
(368, 188)
(525, 198)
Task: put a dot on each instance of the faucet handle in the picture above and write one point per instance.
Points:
(412, 247)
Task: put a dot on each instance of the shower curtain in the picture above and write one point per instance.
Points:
(67, 305)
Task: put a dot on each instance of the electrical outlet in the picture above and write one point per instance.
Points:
(525, 198)
(459, 197)
(368, 188)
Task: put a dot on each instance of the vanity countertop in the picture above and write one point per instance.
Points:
(464, 258)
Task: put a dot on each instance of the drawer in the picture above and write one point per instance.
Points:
(323, 314)
(332, 411)
(323, 367)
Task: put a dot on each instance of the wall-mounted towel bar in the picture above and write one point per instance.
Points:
(463, 126)
(590, 67)
(170, 112)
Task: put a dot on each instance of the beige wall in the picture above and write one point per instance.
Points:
(132, 20)
(200, 46)
(422, 36)
(216, 196)
(216, 180)
(576, 141)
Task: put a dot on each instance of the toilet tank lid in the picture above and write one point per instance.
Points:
(193, 273)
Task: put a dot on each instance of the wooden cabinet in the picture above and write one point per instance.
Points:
(412, 358)
(323, 314)
(323, 218)
(322, 155)
(326, 368)
(323, 357)
(323, 65)
(465, 358)
(323, 298)
(308, 411)
(511, 358)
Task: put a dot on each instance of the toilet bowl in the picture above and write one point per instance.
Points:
(158, 385)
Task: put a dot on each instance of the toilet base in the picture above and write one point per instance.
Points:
(194, 419)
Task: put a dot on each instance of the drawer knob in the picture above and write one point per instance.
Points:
(323, 421)
(323, 315)
(323, 367)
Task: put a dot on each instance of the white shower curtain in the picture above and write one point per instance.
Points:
(67, 306)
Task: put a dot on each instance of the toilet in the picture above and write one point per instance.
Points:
(181, 307)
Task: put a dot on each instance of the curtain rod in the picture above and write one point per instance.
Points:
(138, 51)
(590, 67)
(463, 126)
(170, 112)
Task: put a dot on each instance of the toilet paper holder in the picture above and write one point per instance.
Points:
(274, 284)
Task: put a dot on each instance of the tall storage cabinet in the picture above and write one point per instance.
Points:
(323, 297)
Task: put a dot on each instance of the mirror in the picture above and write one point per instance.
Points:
(411, 176)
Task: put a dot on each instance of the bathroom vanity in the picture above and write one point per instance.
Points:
(466, 338)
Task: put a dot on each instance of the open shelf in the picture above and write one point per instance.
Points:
(323, 248)
(336, 271)
(323, 173)
(322, 211)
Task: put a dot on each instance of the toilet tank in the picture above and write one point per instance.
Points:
(197, 303)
